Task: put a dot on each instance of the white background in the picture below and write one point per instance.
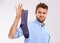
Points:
(7, 16)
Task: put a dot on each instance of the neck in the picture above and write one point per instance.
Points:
(42, 23)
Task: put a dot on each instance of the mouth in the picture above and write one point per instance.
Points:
(42, 18)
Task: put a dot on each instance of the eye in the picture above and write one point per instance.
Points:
(39, 12)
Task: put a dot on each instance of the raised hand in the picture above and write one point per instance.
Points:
(19, 11)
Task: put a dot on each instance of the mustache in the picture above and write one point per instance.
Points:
(41, 16)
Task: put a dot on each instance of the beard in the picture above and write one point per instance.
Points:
(41, 21)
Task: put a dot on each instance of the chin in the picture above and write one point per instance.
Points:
(41, 21)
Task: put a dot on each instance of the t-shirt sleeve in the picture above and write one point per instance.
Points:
(19, 33)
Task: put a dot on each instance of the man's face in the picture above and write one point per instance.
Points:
(41, 14)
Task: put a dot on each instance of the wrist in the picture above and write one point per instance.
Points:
(17, 17)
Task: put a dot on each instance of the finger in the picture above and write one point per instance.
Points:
(19, 6)
(16, 8)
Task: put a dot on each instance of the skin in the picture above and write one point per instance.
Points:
(14, 25)
(40, 16)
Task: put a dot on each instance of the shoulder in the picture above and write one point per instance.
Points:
(31, 23)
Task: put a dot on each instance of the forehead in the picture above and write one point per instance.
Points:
(42, 9)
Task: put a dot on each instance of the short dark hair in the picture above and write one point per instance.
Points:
(42, 5)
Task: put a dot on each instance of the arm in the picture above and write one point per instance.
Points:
(14, 26)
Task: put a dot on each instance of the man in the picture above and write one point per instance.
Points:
(37, 30)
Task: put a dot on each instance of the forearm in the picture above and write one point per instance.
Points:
(13, 28)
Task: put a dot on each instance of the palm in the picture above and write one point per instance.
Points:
(19, 10)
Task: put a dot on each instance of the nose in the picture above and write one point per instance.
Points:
(41, 14)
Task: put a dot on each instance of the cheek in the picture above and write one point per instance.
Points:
(44, 16)
(38, 15)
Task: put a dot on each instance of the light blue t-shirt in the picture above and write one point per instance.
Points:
(37, 33)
